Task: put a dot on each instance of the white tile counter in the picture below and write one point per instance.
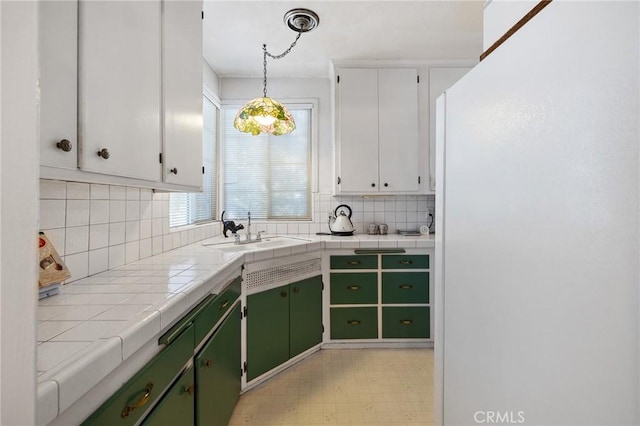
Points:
(98, 322)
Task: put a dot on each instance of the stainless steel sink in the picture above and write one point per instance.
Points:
(266, 243)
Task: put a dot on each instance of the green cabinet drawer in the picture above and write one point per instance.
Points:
(215, 309)
(405, 287)
(129, 403)
(405, 261)
(177, 405)
(405, 322)
(357, 288)
(354, 323)
(205, 315)
(354, 262)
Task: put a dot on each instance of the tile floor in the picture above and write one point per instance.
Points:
(345, 387)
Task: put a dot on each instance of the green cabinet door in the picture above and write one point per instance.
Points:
(177, 405)
(267, 330)
(218, 374)
(305, 315)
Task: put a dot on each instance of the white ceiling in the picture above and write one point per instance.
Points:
(234, 32)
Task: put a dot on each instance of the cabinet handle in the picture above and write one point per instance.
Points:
(405, 262)
(190, 390)
(174, 170)
(386, 184)
(354, 322)
(405, 286)
(406, 322)
(353, 262)
(373, 185)
(104, 153)
(208, 363)
(224, 305)
(354, 287)
(64, 145)
(145, 398)
(283, 294)
(296, 290)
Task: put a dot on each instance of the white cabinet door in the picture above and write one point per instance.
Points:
(120, 88)
(440, 79)
(58, 39)
(182, 88)
(398, 130)
(357, 130)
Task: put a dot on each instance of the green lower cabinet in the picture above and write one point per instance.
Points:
(305, 315)
(282, 323)
(130, 402)
(218, 374)
(177, 405)
(405, 287)
(354, 323)
(405, 322)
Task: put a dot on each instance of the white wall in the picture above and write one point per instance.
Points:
(210, 78)
(18, 211)
(541, 224)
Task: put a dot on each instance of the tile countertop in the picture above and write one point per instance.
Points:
(98, 322)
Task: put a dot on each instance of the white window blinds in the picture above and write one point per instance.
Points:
(188, 208)
(270, 176)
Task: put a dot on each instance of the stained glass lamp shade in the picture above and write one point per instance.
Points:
(264, 115)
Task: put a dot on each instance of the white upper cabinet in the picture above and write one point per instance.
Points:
(182, 88)
(119, 83)
(440, 79)
(58, 39)
(376, 143)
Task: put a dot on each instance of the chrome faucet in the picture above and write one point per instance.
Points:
(248, 233)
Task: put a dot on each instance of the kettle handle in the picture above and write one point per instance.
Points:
(335, 212)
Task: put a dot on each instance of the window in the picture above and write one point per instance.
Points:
(270, 176)
(187, 208)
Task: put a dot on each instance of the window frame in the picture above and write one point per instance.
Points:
(312, 104)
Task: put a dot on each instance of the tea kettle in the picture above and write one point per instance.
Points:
(340, 223)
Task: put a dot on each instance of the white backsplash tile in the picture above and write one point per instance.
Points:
(78, 265)
(117, 211)
(132, 231)
(99, 211)
(53, 190)
(98, 236)
(98, 260)
(76, 239)
(52, 213)
(117, 193)
(77, 191)
(133, 193)
(99, 192)
(117, 233)
(116, 256)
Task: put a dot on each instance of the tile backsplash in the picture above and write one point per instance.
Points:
(97, 227)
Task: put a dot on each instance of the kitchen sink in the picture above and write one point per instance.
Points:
(266, 243)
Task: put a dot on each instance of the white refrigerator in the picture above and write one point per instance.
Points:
(538, 236)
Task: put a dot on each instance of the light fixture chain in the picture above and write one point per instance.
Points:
(280, 56)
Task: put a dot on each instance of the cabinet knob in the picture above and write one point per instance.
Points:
(104, 153)
(373, 185)
(296, 290)
(208, 363)
(283, 294)
(174, 171)
(64, 145)
(386, 184)
(190, 390)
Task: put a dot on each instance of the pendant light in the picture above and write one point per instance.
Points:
(266, 115)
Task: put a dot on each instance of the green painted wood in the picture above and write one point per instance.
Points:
(267, 330)
(405, 322)
(354, 323)
(354, 288)
(305, 315)
(405, 287)
(405, 261)
(152, 379)
(184, 322)
(215, 309)
(177, 406)
(354, 262)
(218, 366)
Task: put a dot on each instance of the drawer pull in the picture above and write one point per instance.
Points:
(145, 398)
(224, 305)
(190, 390)
(406, 322)
(405, 286)
(354, 322)
(354, 262)
(354, 287)
(405, 262)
